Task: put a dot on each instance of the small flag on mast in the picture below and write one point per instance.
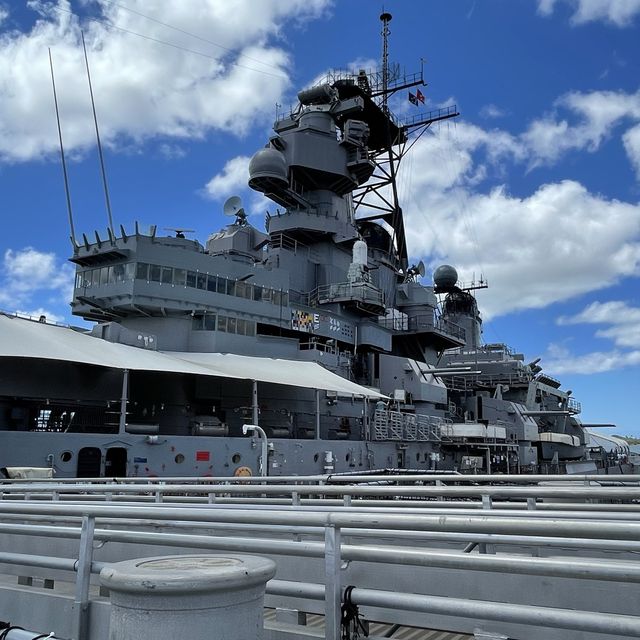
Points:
(413, 99)
(419, 96)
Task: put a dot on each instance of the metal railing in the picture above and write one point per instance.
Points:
(364, 292)
(574, 406)
(461, 383)
(333, 526)
(283, 241)
(424, 323)
(396, 425)
(434, 114)
(55, 491)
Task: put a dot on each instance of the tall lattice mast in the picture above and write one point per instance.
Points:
(379, 196)
(386, 19)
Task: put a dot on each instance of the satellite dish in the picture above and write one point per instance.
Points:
(420, 268)
(232, 206)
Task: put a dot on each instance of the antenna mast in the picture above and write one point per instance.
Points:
(95, 121)
(386, 19)
(64, 164)
(380, 194)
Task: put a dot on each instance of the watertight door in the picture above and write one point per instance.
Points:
(89, 459)
(115, 462)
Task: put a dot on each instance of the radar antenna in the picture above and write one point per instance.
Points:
(385, 17)
(178, 231)
(475, 284)
(415, 272)
(233, 207)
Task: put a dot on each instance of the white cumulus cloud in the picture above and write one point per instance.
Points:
(143, 88)
(623, 321)
(631, 140)
(232, 178)
(28, 274)
(619, 322)
(590, 119)
(561, 361)
(620, 13)
(550, 245)
(492, 111)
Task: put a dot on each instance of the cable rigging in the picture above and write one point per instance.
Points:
(111, 25)
(189, 33)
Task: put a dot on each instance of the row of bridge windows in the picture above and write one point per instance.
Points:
(226, 324)
(117, 273)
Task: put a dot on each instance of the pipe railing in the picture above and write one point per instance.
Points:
(482, 522)
(565, 568)
(573, 492)
(549, 617)
(525, 510)
(334, 553)
(66, 531)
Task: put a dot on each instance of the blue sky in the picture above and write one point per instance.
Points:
(536, 186)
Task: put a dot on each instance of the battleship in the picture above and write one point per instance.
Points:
(314, 346)
(351, 459)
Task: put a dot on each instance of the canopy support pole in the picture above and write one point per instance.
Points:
(122, 426)
(317, 414)
(254, 402)
(365, 417)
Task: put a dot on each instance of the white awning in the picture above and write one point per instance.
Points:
(293, 373)
(20, 338)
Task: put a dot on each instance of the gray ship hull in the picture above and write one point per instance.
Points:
(94, 455)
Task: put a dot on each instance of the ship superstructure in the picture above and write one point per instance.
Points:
(500, 387)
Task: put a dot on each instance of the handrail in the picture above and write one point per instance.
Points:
(478, 523)
(595, 569)
(494, 491)
(335, 524)
(423, 322)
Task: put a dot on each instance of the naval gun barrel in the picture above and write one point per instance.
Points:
(546, 413)
(452, 372)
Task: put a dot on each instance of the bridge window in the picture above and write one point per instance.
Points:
(142, 271)
(155, 272)
(167, 275)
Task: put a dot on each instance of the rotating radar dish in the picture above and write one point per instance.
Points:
(233, 207)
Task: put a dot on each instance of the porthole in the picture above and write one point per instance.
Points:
(65, 456)
(179, 459)
(236, 458)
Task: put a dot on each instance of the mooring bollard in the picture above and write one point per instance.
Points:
(199, 597)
